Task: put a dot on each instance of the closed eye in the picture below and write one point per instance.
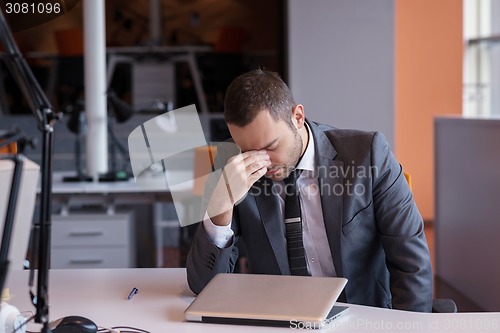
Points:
(271, 145)
(272, 148)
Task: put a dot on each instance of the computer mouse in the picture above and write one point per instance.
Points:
(73, 324)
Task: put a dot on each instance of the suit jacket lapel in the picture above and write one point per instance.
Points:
(330, 181)
(271, 217)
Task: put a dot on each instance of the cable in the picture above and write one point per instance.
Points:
(129, 329)
(23, 324)
(121, 329)
(107, 330)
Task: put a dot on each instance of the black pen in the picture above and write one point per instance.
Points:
(132, 293)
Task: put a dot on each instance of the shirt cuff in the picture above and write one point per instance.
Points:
(221, 236)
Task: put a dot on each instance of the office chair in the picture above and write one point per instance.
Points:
(439, 305)
(203, 163)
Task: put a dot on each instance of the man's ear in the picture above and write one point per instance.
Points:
(298, 116)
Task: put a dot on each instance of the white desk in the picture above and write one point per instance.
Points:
(101, 295)
(109, 193)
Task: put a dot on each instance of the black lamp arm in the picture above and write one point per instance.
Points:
(18, 160)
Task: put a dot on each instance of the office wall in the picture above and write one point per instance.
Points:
(388, 65)
(428, 82)
(341, 62)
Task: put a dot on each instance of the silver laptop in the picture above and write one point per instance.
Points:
(268, 300)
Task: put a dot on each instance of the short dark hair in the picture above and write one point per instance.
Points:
(255, 91)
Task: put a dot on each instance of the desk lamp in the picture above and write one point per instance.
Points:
(121, 112)
(76, 124)
(46, 119)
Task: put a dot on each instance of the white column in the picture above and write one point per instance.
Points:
(95, 86)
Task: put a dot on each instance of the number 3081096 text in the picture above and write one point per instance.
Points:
(32, 8)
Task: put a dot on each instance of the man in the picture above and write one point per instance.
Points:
(358, 217)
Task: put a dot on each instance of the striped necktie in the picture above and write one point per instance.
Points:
(293, 226)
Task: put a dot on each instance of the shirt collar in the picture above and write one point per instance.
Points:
(307, 160)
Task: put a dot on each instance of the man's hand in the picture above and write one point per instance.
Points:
(238, 176)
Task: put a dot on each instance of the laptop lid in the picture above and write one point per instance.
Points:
(269, 300)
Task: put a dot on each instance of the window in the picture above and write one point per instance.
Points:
(482, 58)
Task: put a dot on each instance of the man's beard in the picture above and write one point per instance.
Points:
(293, 158)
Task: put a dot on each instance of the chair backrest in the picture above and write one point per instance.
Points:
(203, 163)
(408, 178)
(440, 305)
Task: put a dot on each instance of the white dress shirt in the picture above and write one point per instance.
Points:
(316, 246)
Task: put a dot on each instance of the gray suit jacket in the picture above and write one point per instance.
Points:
(375, 232)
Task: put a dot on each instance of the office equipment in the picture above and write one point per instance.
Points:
(73, 324)
(269, 300)
(12, 163)
(23, 215)
(78, 125)
(17, 200)
(122, 113)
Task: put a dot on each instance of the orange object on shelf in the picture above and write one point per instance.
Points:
(69, 42)
(9, 149)
(230, 39)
